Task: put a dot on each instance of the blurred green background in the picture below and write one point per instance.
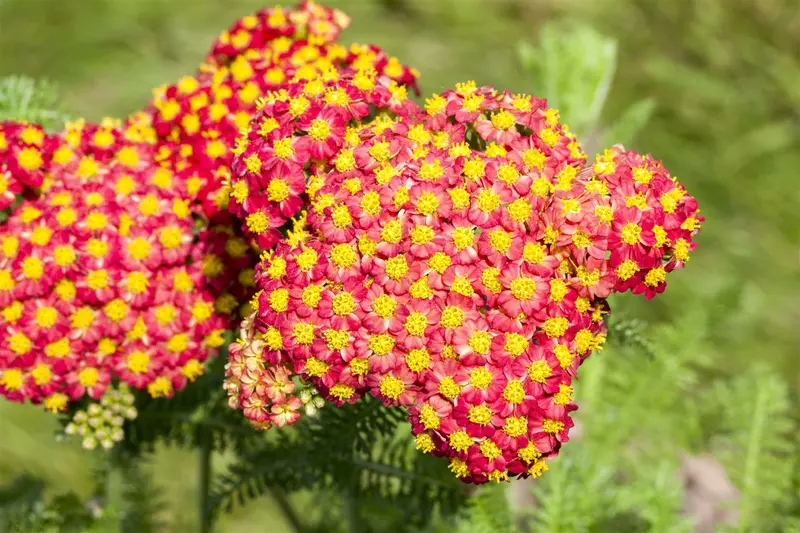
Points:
(725, 76)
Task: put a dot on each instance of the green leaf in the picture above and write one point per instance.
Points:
(23, 98)
(630, 123)
(572, 66)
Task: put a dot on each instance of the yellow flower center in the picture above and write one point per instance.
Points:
(452, 317)
(340, 216)
(503, 120)
(488, 200)
(392, 387)
(384, 306)
(552, 426)
(418, 360)
(416, 324)
(627, 269)
(396, 267)
(449, 388)
(381, 344)
(343, 304)
(170, 237)
(539, 371)
(630, 233)
(439, 262)
(516, 426)
(46, 317)
(480, 377)
(480, 414)
(516, 344)
(371, 203)
(303, 333)
(463, 237)
(523, 288)
(556, 327)
(514, 392)
(480, 341)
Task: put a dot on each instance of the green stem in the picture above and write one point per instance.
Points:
(204, 484)
(753, 454)
(351, 514)
(287, 509)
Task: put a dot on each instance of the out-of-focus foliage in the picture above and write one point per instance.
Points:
(638, 421)
(574, 66)
(22, 98)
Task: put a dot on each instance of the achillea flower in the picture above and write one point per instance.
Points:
(460, 271)
(25, 152)
(303, 124)
(275, 27)
(198, 119)
(104, 278)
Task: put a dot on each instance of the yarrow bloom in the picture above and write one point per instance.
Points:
(455, 261)
(105, 277)
(24, 153)
(302, 132)
(198, 119)
(259, 32)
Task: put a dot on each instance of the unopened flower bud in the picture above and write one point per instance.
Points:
(305, 396)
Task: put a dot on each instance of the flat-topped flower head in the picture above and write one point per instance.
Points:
(454, 260)
(105, 278)
(198, 119)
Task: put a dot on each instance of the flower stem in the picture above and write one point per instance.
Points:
(351, 514)
(204, 483)
(286, 507)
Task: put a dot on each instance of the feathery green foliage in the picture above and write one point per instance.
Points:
(142, 501)
(22, 98)
(359, 452)
(622, 472)
(25, 508)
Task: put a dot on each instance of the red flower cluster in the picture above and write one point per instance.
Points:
(147, 186)
(259, 31)
(24, 149)
(105, 275)
(455, 261)
(198, 119)
(300, 129)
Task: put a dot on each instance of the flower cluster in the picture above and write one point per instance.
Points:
(24, 151)
(259, 31)
(298, 131)
(102, 422)
(105, 275)
(198, 119)
(267, 394)
(455, 261)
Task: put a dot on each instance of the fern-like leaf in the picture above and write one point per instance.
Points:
(358, 452)
(754, 441)
(23, 98)
(142, 501)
